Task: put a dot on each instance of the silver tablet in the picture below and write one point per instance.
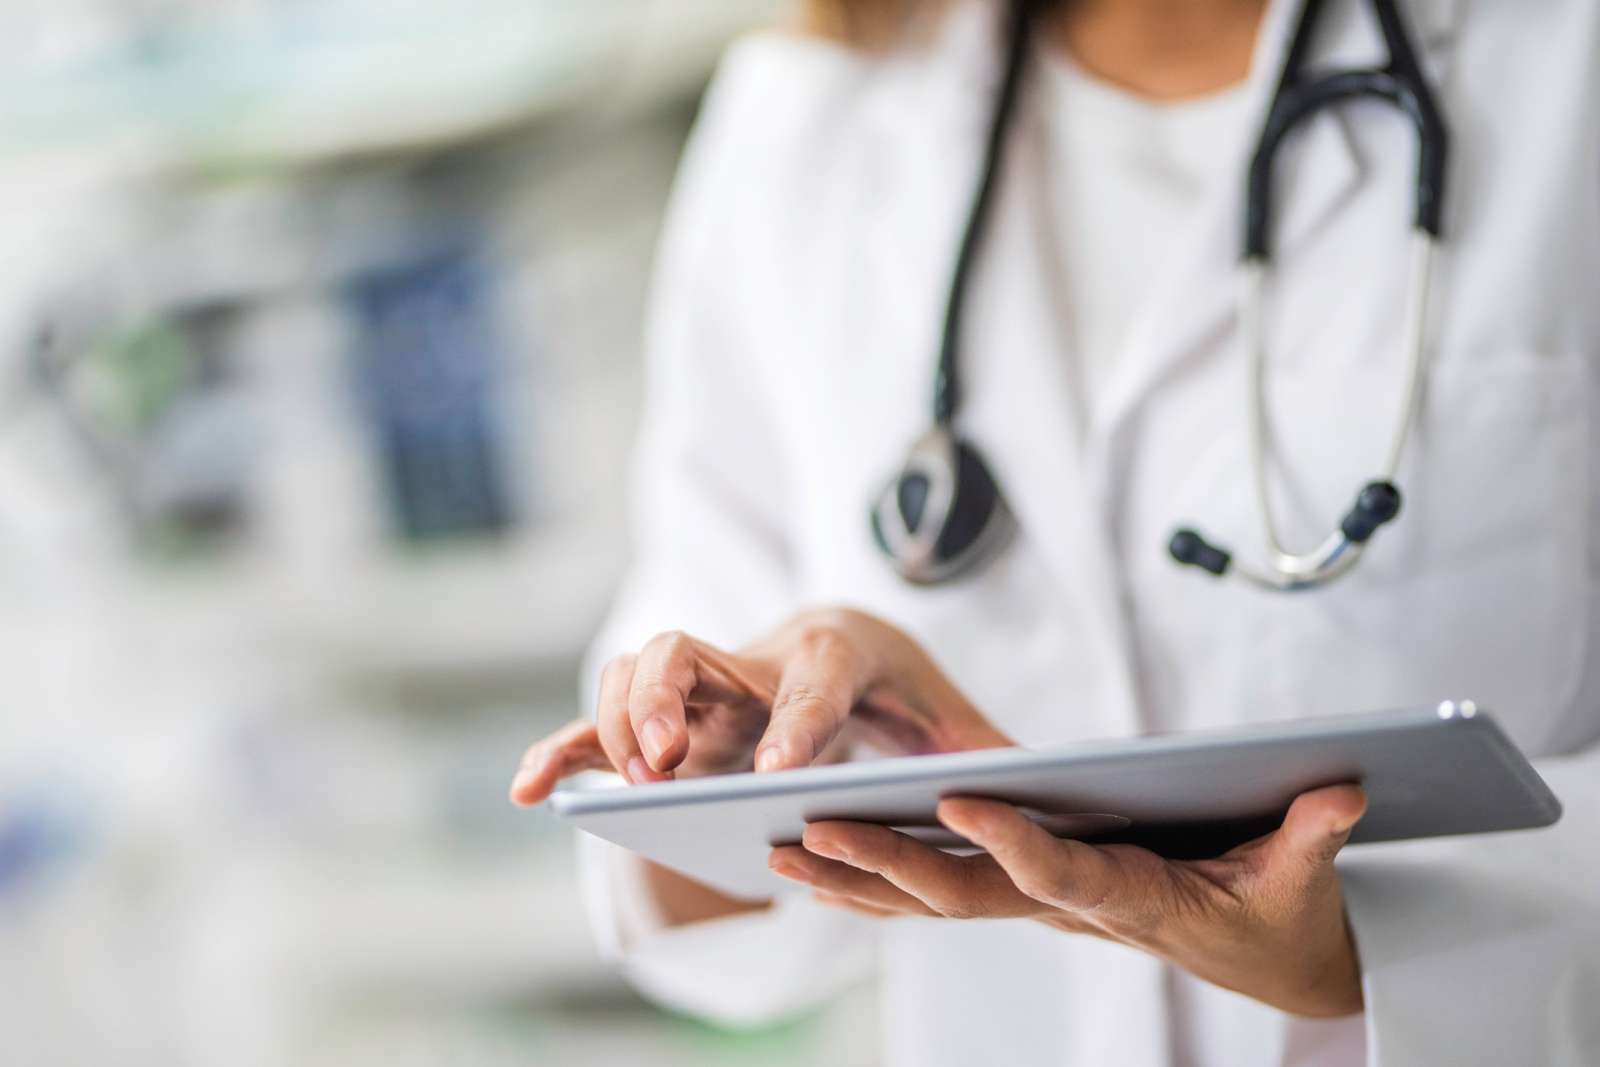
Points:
(1442, 770)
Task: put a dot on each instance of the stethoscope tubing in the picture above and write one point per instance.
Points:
(919, 554)
(1402, 84)
(1337, 553)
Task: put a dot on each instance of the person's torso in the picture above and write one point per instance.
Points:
(1483, 587)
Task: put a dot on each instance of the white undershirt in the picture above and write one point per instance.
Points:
(1127, 176)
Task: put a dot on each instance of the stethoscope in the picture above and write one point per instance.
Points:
(943, 515)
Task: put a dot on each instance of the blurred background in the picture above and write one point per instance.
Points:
(319, 328)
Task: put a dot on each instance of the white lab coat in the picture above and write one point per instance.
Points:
(790, 358)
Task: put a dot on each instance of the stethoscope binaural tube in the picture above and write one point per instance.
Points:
(1402, 84)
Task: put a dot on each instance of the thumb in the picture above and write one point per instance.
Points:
(573, 748)
(1315, 829)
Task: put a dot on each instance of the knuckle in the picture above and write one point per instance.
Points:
(1141, 919)
(1025, 871)
(837, 616)
(668, 659)
(803, 700)
(1046, 888)
(1054, 885)
(672, 644)
(822, 637)
(616, 677)
(1270, 899)
(833, 880)
(652, 696)
(806, 713)
(961, 900)
(1324, 856)
(898, 850)
(1137, 926)
(959, 908)
(818, 615)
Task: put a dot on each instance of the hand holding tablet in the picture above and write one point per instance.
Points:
(1212, 850)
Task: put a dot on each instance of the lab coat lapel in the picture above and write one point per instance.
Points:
(1192, 305)
(1022, 408)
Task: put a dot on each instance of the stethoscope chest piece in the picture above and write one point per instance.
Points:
(942, 514)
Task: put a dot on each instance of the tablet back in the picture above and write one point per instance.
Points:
(1427, 772)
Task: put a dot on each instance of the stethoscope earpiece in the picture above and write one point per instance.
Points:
(1190, 549)
(1377, 503)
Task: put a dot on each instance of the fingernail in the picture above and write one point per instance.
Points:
(769, 759)
(789, 871)
(828, 850)
(639, 771)
(655, 736)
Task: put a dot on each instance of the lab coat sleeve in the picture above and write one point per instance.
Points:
(710, 554)
(1485, 949)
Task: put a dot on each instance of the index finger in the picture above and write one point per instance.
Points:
(819, 686)
(957, 887)
(664, 676)
(1063, 873)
